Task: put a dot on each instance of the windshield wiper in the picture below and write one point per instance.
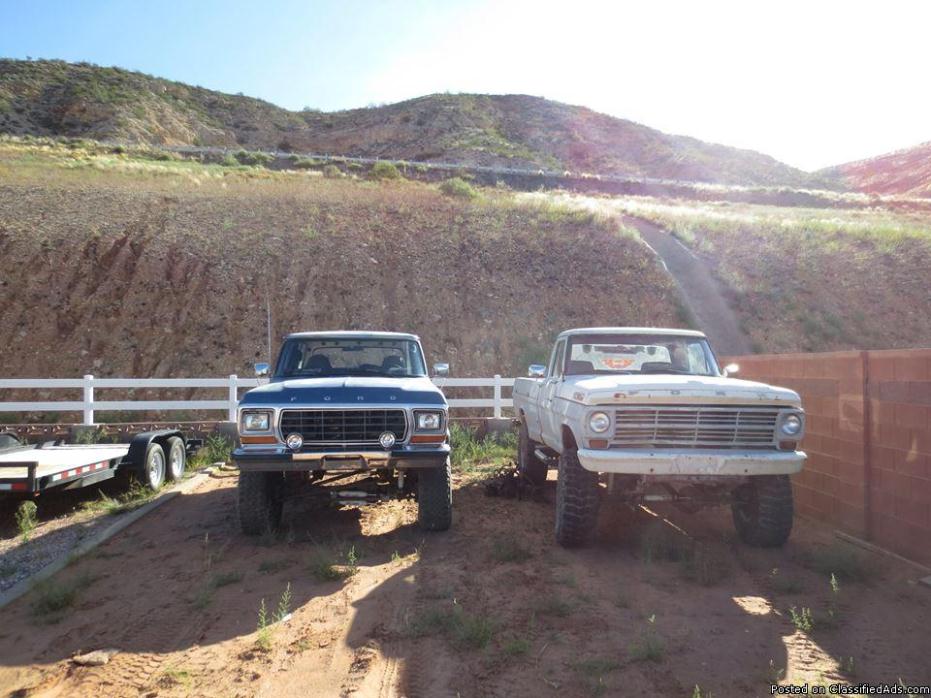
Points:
(677, 371)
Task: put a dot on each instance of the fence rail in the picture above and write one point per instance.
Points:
(232, 384)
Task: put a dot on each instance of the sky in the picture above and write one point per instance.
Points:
(811, 83)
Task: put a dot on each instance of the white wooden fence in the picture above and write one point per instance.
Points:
(90, 403)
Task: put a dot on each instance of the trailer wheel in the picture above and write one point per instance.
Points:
(435, 498)
(176, 458)
(531, 468)
(763, 510)
(576, 500)
(260, 502)
(153, 473)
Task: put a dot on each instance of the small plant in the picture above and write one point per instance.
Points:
(840, 560)
(272, 566)
(459, 188)
(783, 584)
(332, 172)
(395, 556)
(802, 620)
(774, 674)
(706, 566)
(462, 629)
(660, 541)
(474, 455)
(847, 666)
(833, 612)
(284, 604)
(593, 671)
(205, 596)
(516, 647)
(174, 677)
(650, 647)
(384, 170)
(552, 605)
(352, 561)
(253, 158)
(510, 550)
(325, 569)
(218, 449)
(263, 639)
(54, 598)
(26, 519)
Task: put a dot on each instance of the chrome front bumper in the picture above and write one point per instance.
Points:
(279, 458)
(691, 461)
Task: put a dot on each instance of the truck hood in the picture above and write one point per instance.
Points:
(594, 390)
(355, 391)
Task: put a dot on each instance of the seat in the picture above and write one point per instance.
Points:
(390, 362)
(318, 362)
(580, 368)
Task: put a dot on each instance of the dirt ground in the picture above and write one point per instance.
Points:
(491, 608)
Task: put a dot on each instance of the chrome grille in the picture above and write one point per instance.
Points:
(695, 426)
(343, 426)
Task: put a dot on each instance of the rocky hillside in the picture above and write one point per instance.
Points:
(905, 172)
(133, 268)
(83, 100)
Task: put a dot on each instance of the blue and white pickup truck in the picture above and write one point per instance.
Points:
(647, 415)
(351, 416)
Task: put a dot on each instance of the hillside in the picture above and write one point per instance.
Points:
(126, 267)
(83, 100)
(905, 172)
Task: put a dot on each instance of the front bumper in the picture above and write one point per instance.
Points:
(691, 461)
(279, 458)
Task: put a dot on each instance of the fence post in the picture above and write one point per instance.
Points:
(233, 397)
(88, 400)
(497, 396)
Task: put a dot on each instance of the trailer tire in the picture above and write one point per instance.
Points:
(577, 493)
(435, 498)
(763, 510)
(177, 457)
(153, 470)
(531, 468)
(260, 502)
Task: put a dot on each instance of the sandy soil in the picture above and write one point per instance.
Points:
(464, 613)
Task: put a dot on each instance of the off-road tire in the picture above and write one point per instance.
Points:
(435, 498)
(260, 502)
(531, 468)
(763, 510)
(154, 467)
(577, 495)
(176, 458)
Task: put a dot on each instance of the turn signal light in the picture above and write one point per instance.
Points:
(598, 443)
(428, 438)
(788, 445)
(258, 439)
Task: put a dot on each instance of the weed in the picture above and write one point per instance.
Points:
(54, 598)
(395, 556)
(253, 158)
(325, 568)
(284, 604)
(706, 566)
(204, 597)
(592, 672)
(217, 449)
(26, 519)
(516, 647)
(462, 629)
(470, 453)
(273, 566)
(552, 605)
(847, 666)
(841, 561)
(774, 674)
(263, 639)
(697, 693)
(510, 550)
(384, 170)
(133, 498)
(225, 579)
(832, 617)
(458, 187)
(650, 647)
(782, 584)
(802, 620)
(352, 561)
(332, 172)
(175, 677)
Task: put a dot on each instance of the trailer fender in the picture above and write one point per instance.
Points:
(135, 458)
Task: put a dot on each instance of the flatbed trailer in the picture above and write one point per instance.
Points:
(28, 470)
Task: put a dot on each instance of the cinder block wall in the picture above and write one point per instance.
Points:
(868, 440)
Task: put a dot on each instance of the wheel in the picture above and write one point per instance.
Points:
(176, 457)
(577, 493)
(531, 468)
(435, 498)
(260, 502)
(153, 474)
(763, 510)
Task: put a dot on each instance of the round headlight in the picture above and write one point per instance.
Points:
(599, 422)
(295, 441)
(387, 439)
(791, 425)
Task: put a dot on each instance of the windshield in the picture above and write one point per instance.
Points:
(642, 353)
(320, 356)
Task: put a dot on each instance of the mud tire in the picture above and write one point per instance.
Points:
(531, 468)
(260, 502)
(763, 510)
(435, 498)
(577, 500)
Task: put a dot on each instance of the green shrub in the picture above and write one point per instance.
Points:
(305, 163)
(253, 158)
(458, 187)
(332, 172)
(384, 170)
(26, 519)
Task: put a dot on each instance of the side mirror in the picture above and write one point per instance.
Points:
(536, 371)
(440, 369)
(262, 370)
(731, 369)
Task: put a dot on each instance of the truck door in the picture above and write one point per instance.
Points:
(550, 422)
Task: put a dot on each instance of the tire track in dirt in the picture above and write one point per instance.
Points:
(699, 290)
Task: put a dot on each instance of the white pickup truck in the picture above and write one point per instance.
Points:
(646, 415)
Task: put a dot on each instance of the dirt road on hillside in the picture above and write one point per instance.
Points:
(491, 608)
(699, 289)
